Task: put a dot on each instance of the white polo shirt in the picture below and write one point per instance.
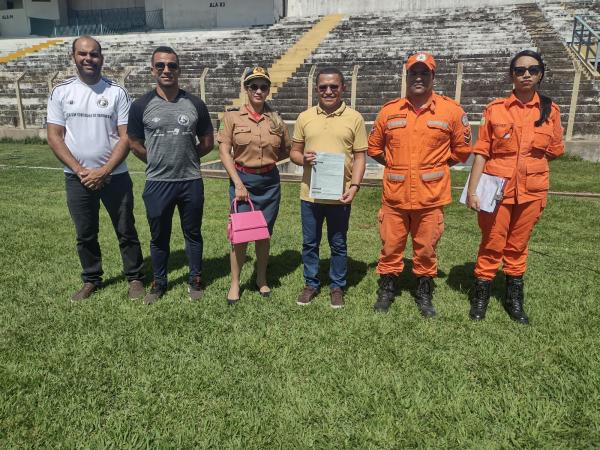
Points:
(90, 115)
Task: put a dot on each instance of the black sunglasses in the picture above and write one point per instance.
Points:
(162, 65)
(324, 87)
(255, 87)
(533, 70)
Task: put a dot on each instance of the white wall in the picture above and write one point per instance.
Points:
(42, 10)
(301, 8)
(82, 5)
(14, 22)
(216, 13)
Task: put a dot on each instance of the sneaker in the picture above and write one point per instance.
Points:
(306, 296)
(136, 289)
(156, 292)
(86, 290)
(196, 288)
(337, 298)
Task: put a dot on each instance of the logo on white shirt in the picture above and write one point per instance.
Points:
(102, 102)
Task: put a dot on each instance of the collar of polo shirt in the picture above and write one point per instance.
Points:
(337, 112)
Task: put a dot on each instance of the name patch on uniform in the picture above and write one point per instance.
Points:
(437, 123)
(432, 176)
(396, 123)
(395, 177)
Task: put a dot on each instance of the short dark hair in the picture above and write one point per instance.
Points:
(164, 49)
(329, 71)
(85, 36)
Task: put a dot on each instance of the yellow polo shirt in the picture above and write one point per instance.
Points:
(342, 131)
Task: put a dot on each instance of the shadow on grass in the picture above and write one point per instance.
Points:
(357, 270)
(461, 279)
(280, 266)
(212, 269)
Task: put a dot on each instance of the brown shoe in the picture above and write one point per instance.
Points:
(156, 291)
(337, 298)
(136, 289)
(86, 290)
(196, 289)
(306, 296)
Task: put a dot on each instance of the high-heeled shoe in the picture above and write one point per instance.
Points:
(265, 294)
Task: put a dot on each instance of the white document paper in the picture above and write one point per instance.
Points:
(327, 176)
(489, 190)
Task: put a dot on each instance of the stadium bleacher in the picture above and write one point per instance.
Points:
(483, 39)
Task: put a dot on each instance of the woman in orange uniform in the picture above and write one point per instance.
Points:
(517, 137)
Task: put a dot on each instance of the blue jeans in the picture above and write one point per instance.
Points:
(338, 217)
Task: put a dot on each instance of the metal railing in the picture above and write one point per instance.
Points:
(585, 42)
(110, 21)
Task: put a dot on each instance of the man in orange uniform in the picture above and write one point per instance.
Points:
(417, 138)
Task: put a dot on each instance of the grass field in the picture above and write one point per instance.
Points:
(110, 372)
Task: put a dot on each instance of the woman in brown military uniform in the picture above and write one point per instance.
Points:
(251, 141)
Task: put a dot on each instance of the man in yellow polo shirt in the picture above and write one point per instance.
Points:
(330, 127)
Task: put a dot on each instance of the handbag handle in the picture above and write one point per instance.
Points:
(234, 205)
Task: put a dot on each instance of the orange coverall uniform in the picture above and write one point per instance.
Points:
(516, 150)
(416, 181)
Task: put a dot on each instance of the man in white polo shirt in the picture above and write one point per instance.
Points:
(87, 131)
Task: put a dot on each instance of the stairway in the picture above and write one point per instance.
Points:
(28, 50)
(285, 66)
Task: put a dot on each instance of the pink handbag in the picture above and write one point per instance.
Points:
(246, 226)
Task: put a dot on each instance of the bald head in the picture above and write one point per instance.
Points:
(88, 39)
(88, 59)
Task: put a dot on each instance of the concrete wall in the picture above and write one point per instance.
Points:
(43, 10)
(82, 5)
(14, 22)
(216, 13)
(301, 8)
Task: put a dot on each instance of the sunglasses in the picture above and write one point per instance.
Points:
(324, 87)
(262, 87)
(533, 70)
(162, 65)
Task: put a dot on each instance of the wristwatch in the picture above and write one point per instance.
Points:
(357, 186)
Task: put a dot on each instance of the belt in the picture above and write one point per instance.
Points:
(255, 170)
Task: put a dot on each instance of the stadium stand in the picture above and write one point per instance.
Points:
(483, 39)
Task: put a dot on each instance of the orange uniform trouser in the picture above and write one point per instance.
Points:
(425, 226)
(504, 237)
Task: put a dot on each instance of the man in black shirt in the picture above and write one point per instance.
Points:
(170, 130)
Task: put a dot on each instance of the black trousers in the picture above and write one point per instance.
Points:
(160, 198)
(84, 207)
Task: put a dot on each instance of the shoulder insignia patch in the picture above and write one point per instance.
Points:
(465, 120)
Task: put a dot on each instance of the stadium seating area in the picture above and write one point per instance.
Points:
(483, 39)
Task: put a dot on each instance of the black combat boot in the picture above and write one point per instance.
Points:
(513, 301)
(480, 299)
(424, 296)
(385, 293)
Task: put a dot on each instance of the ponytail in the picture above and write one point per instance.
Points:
(545, 109)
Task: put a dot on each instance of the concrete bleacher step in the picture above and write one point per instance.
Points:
(284, 67)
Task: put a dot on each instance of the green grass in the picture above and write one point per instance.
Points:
(268, 374)
(40, 155)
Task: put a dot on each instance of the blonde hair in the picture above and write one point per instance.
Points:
(277, 123)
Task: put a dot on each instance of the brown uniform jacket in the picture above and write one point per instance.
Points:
(255, 143)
